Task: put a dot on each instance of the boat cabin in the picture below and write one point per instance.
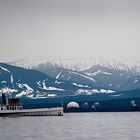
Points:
(13, 104)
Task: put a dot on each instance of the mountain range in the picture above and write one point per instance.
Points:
(21, 82)
(115, 87)
(40, 79)
(113, 75)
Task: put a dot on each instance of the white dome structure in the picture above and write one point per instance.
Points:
(86, 103)
(73, 105)
(133, 103)
(96, 104)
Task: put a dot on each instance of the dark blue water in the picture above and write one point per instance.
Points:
(73, 126)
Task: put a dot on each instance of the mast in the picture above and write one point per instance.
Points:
(61, 100)
(3, 99)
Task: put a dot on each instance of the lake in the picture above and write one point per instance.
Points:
(73, 126)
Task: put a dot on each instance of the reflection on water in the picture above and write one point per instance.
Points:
(73, 126)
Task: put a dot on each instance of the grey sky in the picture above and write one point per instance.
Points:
(69, 29)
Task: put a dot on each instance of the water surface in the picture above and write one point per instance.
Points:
(73, 126)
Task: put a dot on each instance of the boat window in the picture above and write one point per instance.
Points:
(2, 108)
(13, 108)
(7, 108)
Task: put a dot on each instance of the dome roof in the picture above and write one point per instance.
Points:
(73, 105)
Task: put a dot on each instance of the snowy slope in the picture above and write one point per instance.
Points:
(20, 82)
(113, 75)
(79, 64)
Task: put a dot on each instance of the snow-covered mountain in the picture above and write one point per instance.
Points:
(20, 82)
(115, 75)
(79, 64)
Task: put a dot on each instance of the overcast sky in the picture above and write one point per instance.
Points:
(105, 29)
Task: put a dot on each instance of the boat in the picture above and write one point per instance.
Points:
(13, 107)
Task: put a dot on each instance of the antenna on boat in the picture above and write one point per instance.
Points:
(61, 100)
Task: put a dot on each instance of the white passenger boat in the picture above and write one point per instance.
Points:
(13, 107)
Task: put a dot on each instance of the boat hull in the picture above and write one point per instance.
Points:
(34, 112)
